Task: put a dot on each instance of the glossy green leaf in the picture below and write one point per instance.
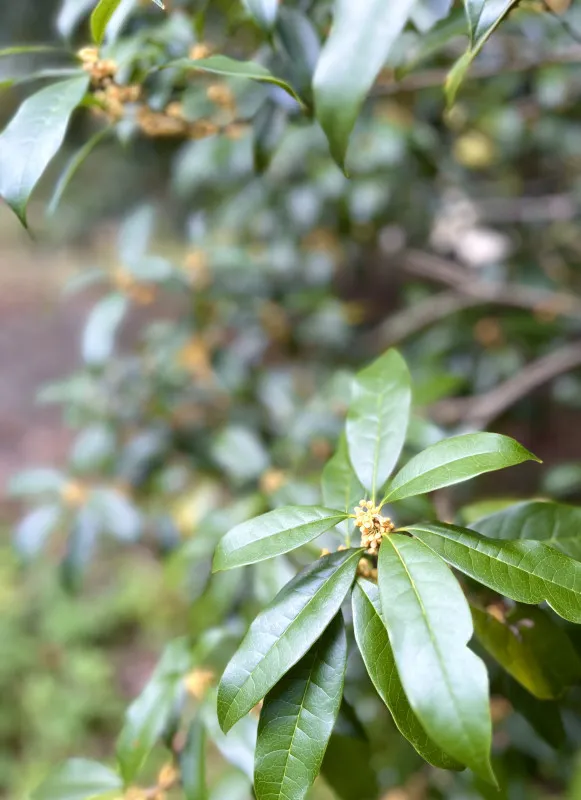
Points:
(297, 719)
(282, 633)
(231, 68)
(32, 138)
(532, 648)
(272, 534)
(100, 17)
(525, 571)
(148, 715)
(192, 760)
(429, 624)
(484, 17)
(360, 41)
(556, 524)
(454, 460)
(79, 779)
(263, 11)
(373, 643)
(378, 418)
(340, 485)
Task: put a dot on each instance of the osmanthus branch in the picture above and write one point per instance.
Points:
(467, 291)
(480, 411)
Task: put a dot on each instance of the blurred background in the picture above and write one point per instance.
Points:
(179, 337)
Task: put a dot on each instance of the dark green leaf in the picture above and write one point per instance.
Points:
(378, 418)
(373, 643)
(556, 524)
(361, 38)
(454, 460)
(79, 779)
(525, 571)
(33, 137)
(544, 716)
(299, 46)
(101, 328)
(148, 715)
(534, 650)
(231, 68)
(297, 719)
(429, 624)
(100, 18)
(272, 534)
(283, 632)
(347, 767)
(193, 762)
(263, 11)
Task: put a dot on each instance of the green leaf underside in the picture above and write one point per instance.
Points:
(526, 571)
(531, 648)
(373, 643)
(484, 17)
(361, 38)
(79, 779)
(556, 524)
(378, 418)
(192, 761)
(298, 717)
(454, 460)
(429, 624)
(340, 486)
(32, 138)
(100, 18)
(282, 633)
(231, 68)
(272, 534)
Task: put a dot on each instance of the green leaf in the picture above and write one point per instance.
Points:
(36, 481)
(33, 137)
(100, 18)
(347, 766)
(454, 460)
(526, 571)
(263, 11)
(360, 41)
(239, 745)
(378, 418)
(531, 648)
(556, 524)
(272, 534)
(543, 716)
(231, 68)
(373, 643)
(71, 169)
(147, 717)
(193, 762)
(429, 624)
(283, 632)
(79, 779)
(34, 529)
(340, 485)
(484, 17)
(101, 327)
(298, 717)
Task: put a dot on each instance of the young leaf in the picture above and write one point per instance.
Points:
(454, 460)
(297, 719)
(531, 648)
(33, 137)
(525, 571)
(373, 643)
(429, 624)
(484, 17)
(193, 762)
(263, 11)
(556, 524)
(79, 779)
(272, 534)
(361, 38)
(282, 633)
(378, 418)
(148, 715)
(231, 68)
(100, 18)
(340, 485)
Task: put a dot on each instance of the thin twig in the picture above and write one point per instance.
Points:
(480, 411)
(409, 321)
